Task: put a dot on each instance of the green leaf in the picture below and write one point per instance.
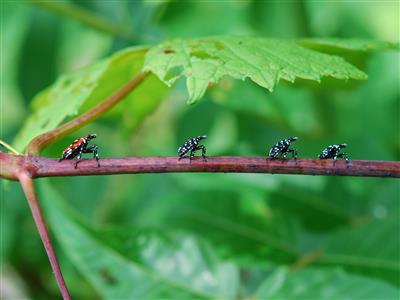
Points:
(14, 26)
(349, 44)
(140, 104)
(367, 249)
(277, 108)
(247, 235)
(94, 45)
(321, 283)
(264, 61)
(70, 92)
(127, 263)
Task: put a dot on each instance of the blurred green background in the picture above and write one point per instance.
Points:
(237, 229)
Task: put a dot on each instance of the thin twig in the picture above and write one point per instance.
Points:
(29, 190)
(306, 260)
(86, 17)
(41, 141)
(47, 167)
(8, 147)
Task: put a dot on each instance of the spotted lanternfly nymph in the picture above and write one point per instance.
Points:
(334, 151)
(282, 148)
(80, 146)
(191, 146)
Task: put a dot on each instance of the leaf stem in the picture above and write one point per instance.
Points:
(29, 190)
(306, 260)
(86, 17)
(47, 167)
(40, 142)
(9, 147)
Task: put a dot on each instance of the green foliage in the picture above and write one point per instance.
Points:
(264, 61)
(312, 284)
(351, 248)
(150, 263)
(350, 44)
(201, 61)
(140, 264)
(76, 92)
(15, 19)
(119, 235)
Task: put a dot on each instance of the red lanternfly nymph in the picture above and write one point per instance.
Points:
(282, 148)
(191, 146)
(335, 152)
(80, 146)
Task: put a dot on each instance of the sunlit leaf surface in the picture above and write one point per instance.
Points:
(141, 264)
(317, 283)
(265, 61)
(70, 92)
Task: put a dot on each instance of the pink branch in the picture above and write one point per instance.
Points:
(47, 167)
(23, 168)
(29, 190)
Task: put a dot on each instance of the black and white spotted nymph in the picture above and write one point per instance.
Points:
(191, 146)
(334, 152)
(282, 148)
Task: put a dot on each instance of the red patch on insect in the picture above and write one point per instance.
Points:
(78, 143)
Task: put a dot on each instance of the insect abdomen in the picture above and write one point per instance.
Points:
(182, 150)
(72, 149)
(274, 151)
(188, 146)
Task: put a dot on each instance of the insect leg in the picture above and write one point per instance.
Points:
(274, 155)
(79, 156)
(344, 156)
(203, 151)
(294, 153)
(64, 156)
(191, 154)
(95, 150)
(182, 154)
(335, 157)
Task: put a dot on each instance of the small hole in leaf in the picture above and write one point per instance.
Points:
(168, 51)
(173, 72)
